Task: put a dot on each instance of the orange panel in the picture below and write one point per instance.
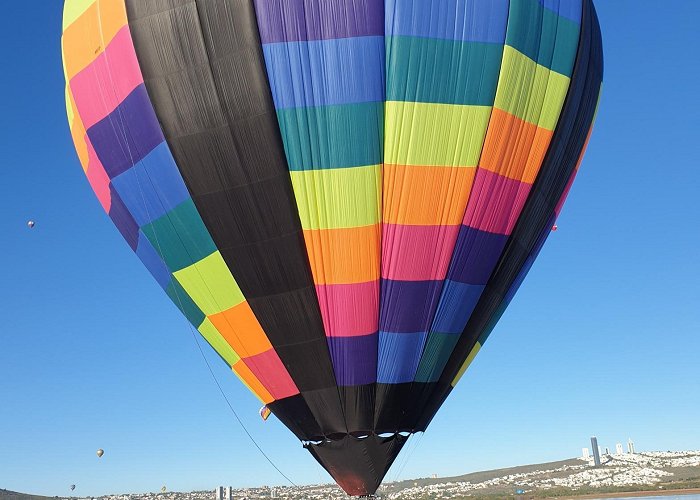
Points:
(344, 255)
(426, 196)
(241, 329)
(514, 148)
(86, 38)
(252, 382)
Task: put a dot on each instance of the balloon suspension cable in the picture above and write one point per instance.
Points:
(409, 455)
(122, 131)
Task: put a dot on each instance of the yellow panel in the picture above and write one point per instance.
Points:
(73, 9)
(210, 284)
(212, 335)
(529, 91)
(466, 363)
(338, 197)
(418, 133)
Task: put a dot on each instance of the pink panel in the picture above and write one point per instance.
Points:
(495, 202)
(349, 310)
(98, 178)
(417, 253)
(268, 368)
(100, 87)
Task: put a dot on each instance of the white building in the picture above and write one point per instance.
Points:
(618, 449)
(586, 453)
(219, 493)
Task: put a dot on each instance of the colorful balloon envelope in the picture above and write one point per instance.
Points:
(341, 196)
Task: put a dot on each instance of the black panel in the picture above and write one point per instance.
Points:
(204, 71)
(358, 403)
(358, 465)
(559, 164)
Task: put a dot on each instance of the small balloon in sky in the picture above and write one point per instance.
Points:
(72, 487)
(100, 452)
(164, 489)
(555, 227)
(31, 224)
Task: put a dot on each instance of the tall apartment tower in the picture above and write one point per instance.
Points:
(596, 451)
(630, 446)
(618, 449)
(219, 493)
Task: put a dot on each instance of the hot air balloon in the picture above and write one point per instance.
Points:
(163, 489)
(342, 197)
(100, 452)
(31, 224)
(72, 487)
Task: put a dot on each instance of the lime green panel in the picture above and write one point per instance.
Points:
(212, 335)
(529, 91)
(433, 134)
(210, 284)
(467, 362)
(338, 197)
(73, 9)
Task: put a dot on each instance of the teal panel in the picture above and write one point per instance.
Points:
(180, 237)
(437, 351)
(543, 35)
(183, 302)
(349, 135)
(442, 71)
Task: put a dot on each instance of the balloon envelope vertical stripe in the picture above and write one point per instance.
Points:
(326, 73)
(134, 175)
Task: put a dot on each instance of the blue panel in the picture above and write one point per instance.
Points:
(570, 9)
(408, 306)
(399, 354)
(475, 255)
(457, 303)
(448, 19)
(326, 72)
(153, 262)
(152, 187)
(125, 136)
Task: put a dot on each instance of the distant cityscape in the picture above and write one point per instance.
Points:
(597, 469)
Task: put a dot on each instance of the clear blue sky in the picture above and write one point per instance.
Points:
(603, 337)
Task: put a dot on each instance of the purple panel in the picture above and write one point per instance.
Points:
(354, 359)
(399, 356)
(408, 306)
(123, 220)
(476, 254)
(300, 20)
(127, 134)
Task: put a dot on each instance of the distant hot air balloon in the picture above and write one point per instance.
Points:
(72, 487)
(264, 412)
(31, 224)
(163, 489)
(342, 197)
(100, 452)
(555, 227)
